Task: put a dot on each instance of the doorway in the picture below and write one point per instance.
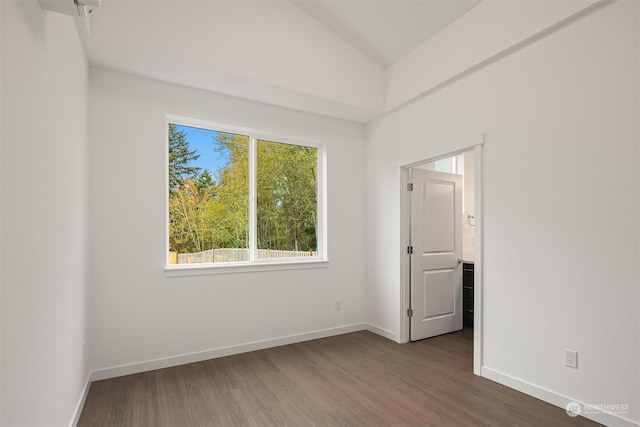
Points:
(452, 249)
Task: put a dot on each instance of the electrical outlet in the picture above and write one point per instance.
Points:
(571, 358)
(338, 305)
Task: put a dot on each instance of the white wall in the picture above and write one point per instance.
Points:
(561, 212)
(137, 314)
(267, 51)
(44, 215)
(483, 34)
(1, 379)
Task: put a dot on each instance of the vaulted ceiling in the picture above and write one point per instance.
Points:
(350, 59)
(387, 30)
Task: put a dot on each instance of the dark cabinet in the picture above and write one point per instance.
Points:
(467, 293)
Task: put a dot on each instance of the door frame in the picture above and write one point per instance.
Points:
(475, 144)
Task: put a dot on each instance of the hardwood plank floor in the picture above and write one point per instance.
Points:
(357, 379)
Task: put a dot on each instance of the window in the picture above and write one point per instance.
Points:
(454, 164)
(236, 198)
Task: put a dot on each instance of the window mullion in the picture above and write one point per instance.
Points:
(253, 206)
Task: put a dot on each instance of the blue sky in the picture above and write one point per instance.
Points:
(202, 141)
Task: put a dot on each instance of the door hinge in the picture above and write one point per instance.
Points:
(410, 186)
(409, 250)
(410, 312)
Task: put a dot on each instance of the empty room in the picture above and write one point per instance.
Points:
(319, 212)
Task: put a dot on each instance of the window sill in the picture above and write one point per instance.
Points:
(244, 267)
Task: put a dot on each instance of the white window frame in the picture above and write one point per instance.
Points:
(254, 263)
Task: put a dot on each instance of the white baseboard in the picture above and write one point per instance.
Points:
(166, 362)
(555, 399)
(80, 404)
(382, 332)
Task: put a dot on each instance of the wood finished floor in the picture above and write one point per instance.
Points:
(357, 379)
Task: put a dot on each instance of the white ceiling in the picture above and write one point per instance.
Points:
(386, 30)
(327, 57)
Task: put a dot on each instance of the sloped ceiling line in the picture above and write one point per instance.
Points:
(353, 60)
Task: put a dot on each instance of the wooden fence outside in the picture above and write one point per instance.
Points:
(232, 255)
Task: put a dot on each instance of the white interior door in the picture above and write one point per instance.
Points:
(436, 240)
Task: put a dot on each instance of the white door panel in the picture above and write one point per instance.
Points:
(438, 234)
(436, 238)
(438, 298)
